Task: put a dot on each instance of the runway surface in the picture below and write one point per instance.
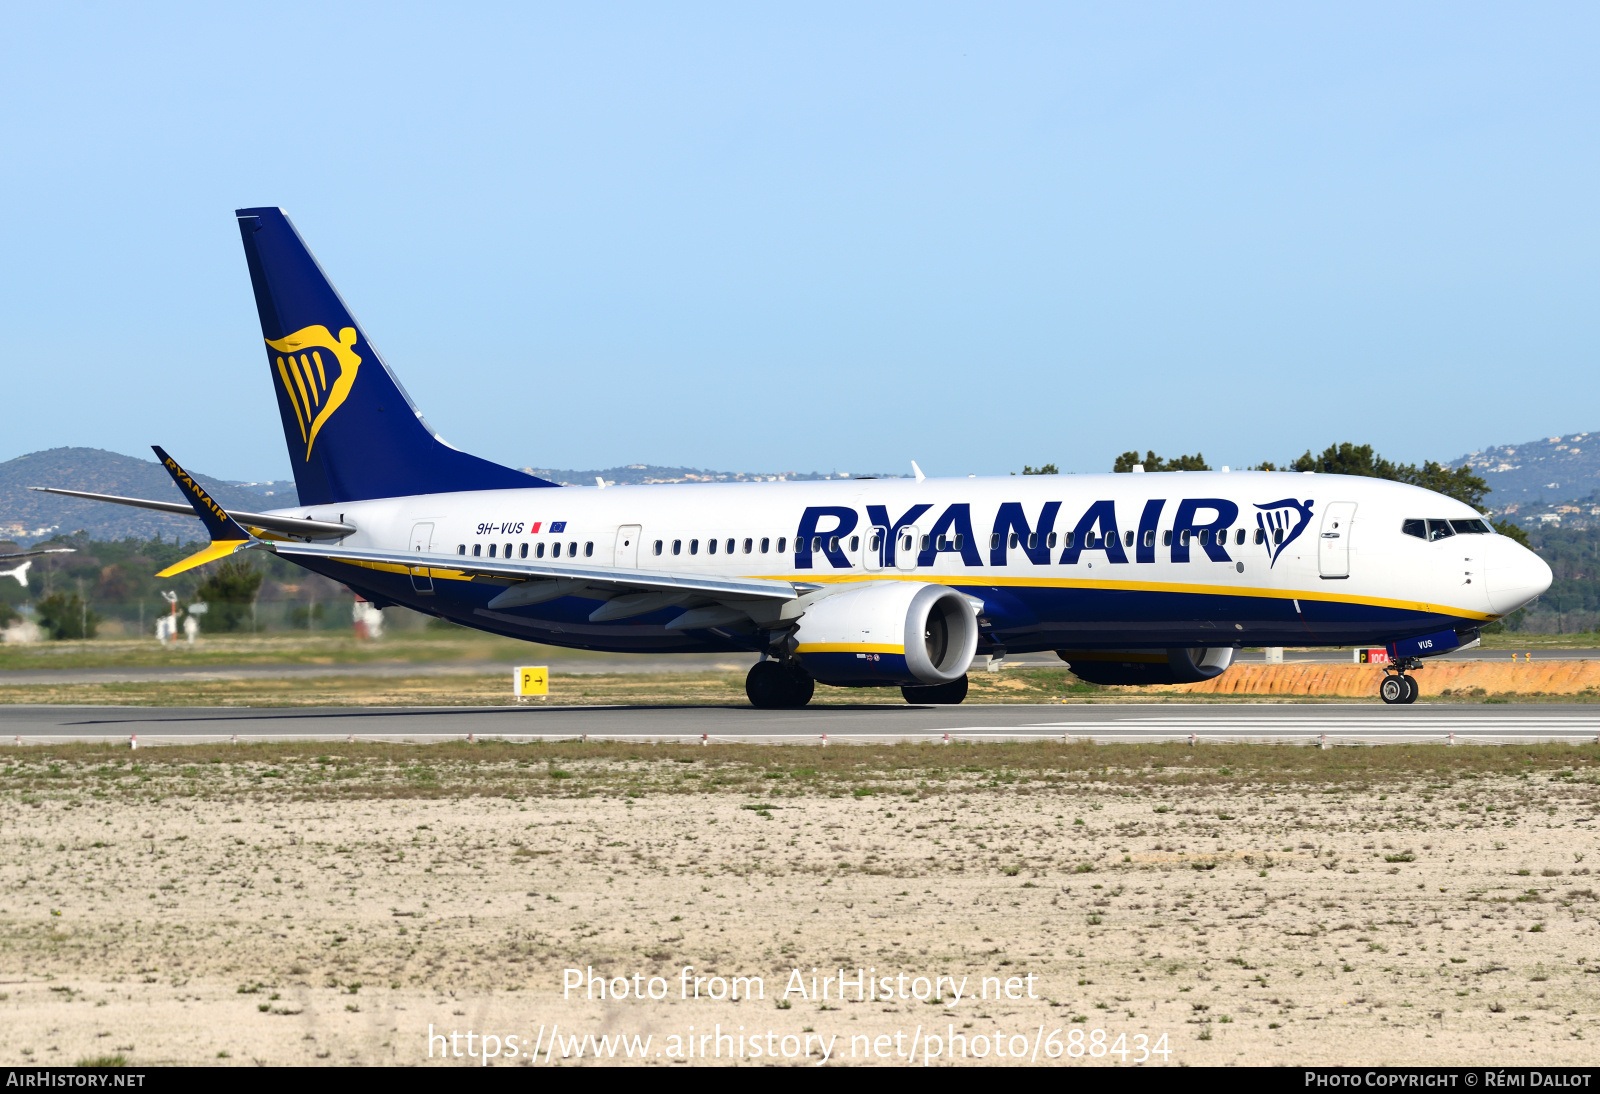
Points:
(638, 663)
(1300, 723)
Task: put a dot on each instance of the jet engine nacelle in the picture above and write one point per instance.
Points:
(888, 633)
(1176, 666)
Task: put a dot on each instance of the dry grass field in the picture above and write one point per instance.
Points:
(301, 903)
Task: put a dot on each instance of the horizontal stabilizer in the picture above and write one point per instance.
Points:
(267, 522)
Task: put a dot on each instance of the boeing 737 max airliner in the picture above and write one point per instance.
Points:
(1131, 578)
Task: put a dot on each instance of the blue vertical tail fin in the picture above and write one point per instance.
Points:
(352, 431)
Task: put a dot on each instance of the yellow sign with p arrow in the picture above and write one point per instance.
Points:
(530, 680)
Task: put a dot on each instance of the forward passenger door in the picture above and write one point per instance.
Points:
(1333, 548)
(627, 550)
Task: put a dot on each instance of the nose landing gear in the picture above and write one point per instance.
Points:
(1397, 687)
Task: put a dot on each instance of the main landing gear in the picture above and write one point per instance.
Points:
(1397, 687)
(772, 685)
(937, 694)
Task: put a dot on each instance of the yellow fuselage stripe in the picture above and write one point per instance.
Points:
(849, 647)
(974, 580)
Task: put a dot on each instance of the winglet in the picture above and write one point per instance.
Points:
(226, 534)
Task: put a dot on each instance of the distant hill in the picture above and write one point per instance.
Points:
(28, 517)
(1551, 469)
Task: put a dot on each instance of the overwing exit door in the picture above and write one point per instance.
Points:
(907, 548)
(875, 546)
(1333, 548)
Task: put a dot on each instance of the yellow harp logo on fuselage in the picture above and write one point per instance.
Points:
(304, 372)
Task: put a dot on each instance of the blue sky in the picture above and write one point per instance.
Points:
(758, 238)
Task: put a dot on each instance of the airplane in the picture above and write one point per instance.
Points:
(1155, 578)
(20, 571)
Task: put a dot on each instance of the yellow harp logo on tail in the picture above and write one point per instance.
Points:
(304, 370)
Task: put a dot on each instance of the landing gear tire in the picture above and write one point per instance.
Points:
(771, 686)
(1394, 690)
(1398, 689)
(937, 694)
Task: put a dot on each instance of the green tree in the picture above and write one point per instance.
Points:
(1512, 530)
(1352, 459)
(64, 615)
(1047, 469)
(229, 593)
(1153, 462)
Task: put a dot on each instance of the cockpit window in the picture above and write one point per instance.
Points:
(1471, 527)
(1439, 529)
(1418, 528)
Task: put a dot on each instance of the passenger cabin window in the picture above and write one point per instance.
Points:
(477, 549)
(572, 550)
(1439, 529)
(711, 546)
(522, 552)
(1277, 535)
(588, 548)
(461, 548)
(1261, 537)
(677, 546)
(1069, 538)
(1166, 539)
(924, 543)
(730, 547)
(873, 542)
(658, 547)
(855, 544)
(994, 541)
(1239, 537)
(538, 551)
(508, 551)
(1471, 527)
(1149, 537)
(491, 550)
(694, 546)
(749, 545)
(765, 544)
(1128, 540)
(1050, 540)
(1183, 538)
(781, 541)
(1205, 536)
(1013, 541)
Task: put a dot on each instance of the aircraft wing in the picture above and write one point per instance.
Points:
(608, 580)
(33, 554)
(289, 526)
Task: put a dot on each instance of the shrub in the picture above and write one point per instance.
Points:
(65, 616)
(229, 593)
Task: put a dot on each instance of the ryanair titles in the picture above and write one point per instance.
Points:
(916, 537)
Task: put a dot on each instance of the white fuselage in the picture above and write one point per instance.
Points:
(1084, 560)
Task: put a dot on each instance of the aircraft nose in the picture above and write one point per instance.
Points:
(1515, 575)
